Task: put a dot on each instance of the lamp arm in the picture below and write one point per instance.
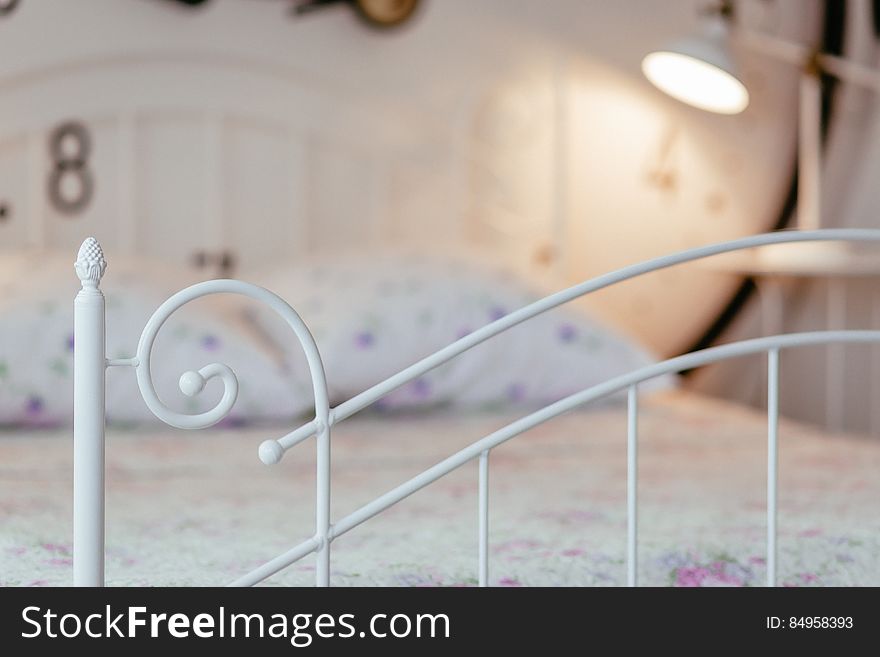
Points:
(804, 56)
(765, 44)
(850, 71)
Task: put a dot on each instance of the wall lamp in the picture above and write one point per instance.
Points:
(700, 70)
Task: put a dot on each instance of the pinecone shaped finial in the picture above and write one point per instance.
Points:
(90, 264)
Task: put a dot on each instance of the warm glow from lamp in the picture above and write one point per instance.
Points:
(696, 82)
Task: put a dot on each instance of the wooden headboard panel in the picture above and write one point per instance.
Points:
(209, 134)
(191, 153)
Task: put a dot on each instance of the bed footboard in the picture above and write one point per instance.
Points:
(90, 364)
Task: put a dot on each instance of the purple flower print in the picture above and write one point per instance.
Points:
(567, 333)
(516, 392)
(421, 388)
(496, 312)
(509, 581)
(675, 560)
(462, 332)
(232, 422)
(692, 576)
(34, 405)
(364, 340)
(210, 342)
(69, 342)
(715, 574)
(56, 561)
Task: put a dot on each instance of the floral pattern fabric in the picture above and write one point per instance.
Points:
(374, 314)
(197, 508)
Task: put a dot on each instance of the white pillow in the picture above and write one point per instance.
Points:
(373, 315)
(36, 345)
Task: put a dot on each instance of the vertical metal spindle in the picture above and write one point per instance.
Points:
(484, 518)
(874, 367)
(772, 459)
(632, 462)
(835, 375)
(322, 515)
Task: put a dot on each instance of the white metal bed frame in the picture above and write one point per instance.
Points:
(90, 363)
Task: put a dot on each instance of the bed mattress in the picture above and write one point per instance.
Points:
(198, 508)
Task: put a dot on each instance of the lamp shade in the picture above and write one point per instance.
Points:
(699, 71)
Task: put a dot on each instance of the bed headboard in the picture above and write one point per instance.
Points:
(200, 148)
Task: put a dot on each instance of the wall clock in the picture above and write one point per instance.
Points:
(376, 13)
(7, 6)
(385, 13)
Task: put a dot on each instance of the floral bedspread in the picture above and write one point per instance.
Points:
(198, 508)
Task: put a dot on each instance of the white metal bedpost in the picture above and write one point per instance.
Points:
(89, 366)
